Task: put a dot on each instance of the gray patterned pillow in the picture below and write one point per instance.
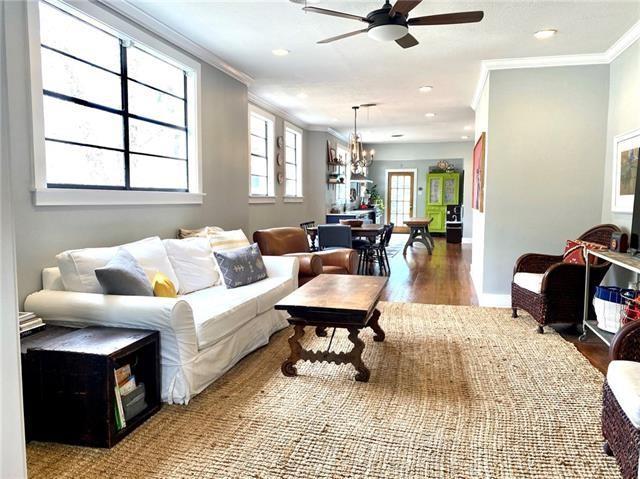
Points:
(241, 266)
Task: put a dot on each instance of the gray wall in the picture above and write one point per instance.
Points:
(545, 152)
(314, 171)
(421, 156)
(42, 232)
(624, 116)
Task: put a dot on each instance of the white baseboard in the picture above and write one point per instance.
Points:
(494, 300)
(466, 240)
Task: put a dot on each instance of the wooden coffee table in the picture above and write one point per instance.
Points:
(334, 301)
(419, 233)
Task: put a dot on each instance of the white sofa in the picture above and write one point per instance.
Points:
(202, 334)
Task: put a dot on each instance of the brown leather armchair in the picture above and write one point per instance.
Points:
(290, 241)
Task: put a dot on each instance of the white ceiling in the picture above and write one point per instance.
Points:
(360, 70)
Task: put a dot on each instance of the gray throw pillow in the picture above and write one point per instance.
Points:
(241, 266)
(123, 275)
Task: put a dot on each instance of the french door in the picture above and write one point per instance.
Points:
(400, 186)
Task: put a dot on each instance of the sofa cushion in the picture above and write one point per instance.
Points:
(226, 240)
(124, 276)
(77, 267)
(193, 263)
(624, 380)
(241, 267)
(530, 281)
(218, 312)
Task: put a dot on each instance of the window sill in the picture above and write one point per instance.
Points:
(258, 200)
(293, 199)
(71, 197)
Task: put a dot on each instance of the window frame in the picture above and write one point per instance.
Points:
(299, 196)
(347, 174)
(270, 197)
(126, 31)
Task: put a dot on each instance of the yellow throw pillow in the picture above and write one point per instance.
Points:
(163, 287)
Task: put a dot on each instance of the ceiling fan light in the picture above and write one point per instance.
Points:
(388, 33)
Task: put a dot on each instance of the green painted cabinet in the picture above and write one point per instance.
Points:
(439, 215)
(443, 189)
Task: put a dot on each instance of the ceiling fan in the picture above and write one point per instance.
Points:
(392, 22)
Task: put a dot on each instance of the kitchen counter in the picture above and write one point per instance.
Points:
(352, 212)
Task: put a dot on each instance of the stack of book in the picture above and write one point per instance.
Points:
(29, 324)
(130, 396)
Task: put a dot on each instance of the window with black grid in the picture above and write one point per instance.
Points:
(115, 113)
(261, 167)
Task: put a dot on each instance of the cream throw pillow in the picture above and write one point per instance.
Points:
(226, 240)
(193, 262)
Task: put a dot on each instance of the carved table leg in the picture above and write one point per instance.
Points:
(355, 354)
(288, 367)
(409, 241)
(321, 332)
(375, 325)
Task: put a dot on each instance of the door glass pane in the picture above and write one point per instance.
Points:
(145, 137)
(151, 70)
(152, 104)
(68, 121)
(81, 165)
(449, 190)
(153, 172)
(71, 77)
(63, 32)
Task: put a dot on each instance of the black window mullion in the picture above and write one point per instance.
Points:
(124, 87)
(186, 128)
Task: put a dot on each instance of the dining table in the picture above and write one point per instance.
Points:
(370, 231)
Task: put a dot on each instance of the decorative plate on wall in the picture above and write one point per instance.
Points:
(280, 178)
(279, 158)
(280, 142)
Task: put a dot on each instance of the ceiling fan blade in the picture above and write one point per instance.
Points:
(407, 41)
(335, 13)
(448, 18)
(340, 37)
(404, 7)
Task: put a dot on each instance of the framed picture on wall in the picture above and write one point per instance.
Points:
(477, 200)
(626, 150)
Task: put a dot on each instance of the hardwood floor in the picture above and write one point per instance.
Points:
(443, 278)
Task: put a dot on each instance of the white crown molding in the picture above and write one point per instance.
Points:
(486, 66)
(129, 10)
(338, 135)
(276, 110)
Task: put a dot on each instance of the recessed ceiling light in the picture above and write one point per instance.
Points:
(425, 89)
(544, 34)
(334, 119)
(280, 52)
(464, 137)
(302, 95)
(429, 115)
(468, 128)
(397, 135)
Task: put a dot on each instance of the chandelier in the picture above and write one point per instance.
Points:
(360, 159)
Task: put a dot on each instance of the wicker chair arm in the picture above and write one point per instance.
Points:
(565, 277)
(626, 343)
(535, 263)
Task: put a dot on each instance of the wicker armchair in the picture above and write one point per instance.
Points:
(622, 437)
(561, 293)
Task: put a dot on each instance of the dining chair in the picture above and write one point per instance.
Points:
(334, 236)
(305, 226)
(371, 253)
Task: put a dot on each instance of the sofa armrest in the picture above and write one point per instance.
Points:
(625, 345)
(344, 258)
(310, 263)
(282, 266)
(172, 317)
(535, 263)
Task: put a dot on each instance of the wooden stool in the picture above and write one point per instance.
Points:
(419, 233)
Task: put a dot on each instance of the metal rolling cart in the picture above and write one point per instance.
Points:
(623, 260)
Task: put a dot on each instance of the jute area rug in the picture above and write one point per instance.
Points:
(455, 392)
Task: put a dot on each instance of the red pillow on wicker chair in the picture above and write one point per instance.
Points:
(575, 251)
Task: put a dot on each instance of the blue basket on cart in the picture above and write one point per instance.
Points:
(609, 303)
